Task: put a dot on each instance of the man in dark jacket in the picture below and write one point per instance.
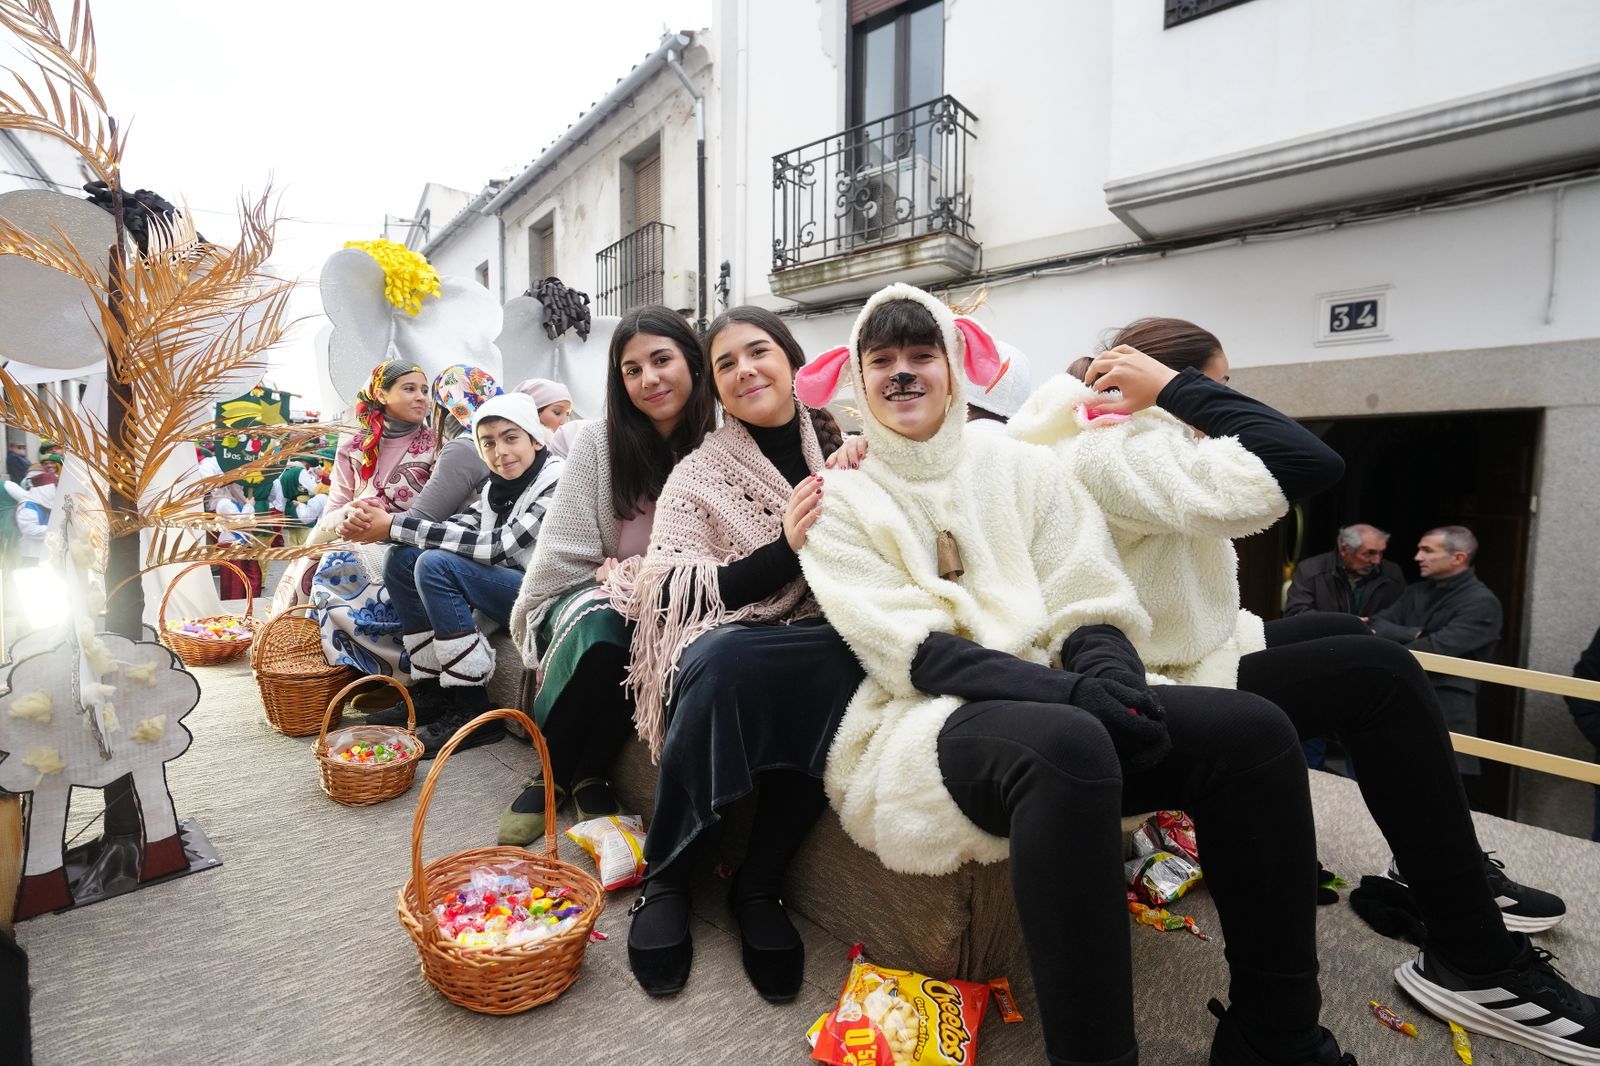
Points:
(1586, 713)
(1354, 578)
(1448, 612)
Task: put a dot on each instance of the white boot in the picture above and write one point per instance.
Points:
(464, 660)
(423, 653)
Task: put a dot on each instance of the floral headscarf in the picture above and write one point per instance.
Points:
(369, 412)
(461, 389)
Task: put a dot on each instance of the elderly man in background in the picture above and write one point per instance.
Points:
(1448, 612)
(1354, 578)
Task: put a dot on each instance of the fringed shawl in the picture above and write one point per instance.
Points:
(722, 502)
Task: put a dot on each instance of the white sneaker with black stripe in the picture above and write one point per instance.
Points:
(1523, 909)
(1530, 1003)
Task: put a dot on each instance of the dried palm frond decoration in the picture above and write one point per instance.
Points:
(180, 322)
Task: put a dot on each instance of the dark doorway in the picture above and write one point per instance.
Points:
(1408, 474)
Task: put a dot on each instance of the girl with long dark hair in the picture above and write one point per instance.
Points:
(658, 408)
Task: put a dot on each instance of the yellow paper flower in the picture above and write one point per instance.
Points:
(407, 276)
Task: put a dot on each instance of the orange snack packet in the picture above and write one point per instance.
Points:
(898, 1018)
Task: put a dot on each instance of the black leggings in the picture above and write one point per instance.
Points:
(1331, 675)
(1046, 776)
(591, 718)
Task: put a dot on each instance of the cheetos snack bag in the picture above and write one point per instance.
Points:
(898, 1018)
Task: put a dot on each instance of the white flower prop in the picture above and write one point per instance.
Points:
(459, 325)
(527, 351)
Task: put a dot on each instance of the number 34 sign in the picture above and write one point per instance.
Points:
(1353, 317)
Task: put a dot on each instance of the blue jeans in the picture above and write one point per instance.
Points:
(438, 590)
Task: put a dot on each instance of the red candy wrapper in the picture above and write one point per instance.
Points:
(1177, 834)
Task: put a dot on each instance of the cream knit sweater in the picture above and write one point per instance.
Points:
(1038, 561)
(1173, 502)
(578, 534)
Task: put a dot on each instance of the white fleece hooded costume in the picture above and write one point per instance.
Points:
(1173, 501)
(1038, 564)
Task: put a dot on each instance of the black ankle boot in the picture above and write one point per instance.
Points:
(1230, 1047)
(426, 696)
(660, 947)
(774, 955)
(466, 703)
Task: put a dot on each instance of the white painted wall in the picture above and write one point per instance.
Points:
(581, 195)
(23, 153)
(1267, 71)
(1472, 278)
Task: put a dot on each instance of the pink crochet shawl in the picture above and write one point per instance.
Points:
(722, 502)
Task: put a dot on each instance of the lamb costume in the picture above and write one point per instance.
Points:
(872, 564)
(1173, 503)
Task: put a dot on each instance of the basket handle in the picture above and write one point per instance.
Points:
(321, 746)
(537, 738)
(259, 647)
(161, 612)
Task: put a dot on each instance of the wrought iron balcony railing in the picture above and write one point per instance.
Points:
(632, 272)
(896, 178)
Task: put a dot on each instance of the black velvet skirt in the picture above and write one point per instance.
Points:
(747, 698)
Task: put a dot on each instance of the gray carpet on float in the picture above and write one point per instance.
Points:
(291, 953)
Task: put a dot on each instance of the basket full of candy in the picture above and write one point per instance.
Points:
(211, 640)
(365, 764)
(498, 930)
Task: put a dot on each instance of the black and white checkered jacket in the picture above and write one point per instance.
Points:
(508, 543)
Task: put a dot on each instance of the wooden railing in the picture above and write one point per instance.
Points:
(1533, 681)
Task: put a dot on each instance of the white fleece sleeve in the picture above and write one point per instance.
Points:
(1150, 476)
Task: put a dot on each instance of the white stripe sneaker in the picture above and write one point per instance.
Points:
(1523, 909)
(1530, 1003)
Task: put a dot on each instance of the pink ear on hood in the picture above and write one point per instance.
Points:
(983, 364)
(817, 381)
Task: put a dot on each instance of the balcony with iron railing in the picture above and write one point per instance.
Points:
(632, 272)
(884, 201)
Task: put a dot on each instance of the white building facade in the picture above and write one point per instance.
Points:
(1381, 207)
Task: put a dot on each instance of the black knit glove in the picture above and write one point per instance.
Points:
(1131, 714)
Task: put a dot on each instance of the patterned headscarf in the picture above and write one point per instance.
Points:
(462, 389)
(369, 412)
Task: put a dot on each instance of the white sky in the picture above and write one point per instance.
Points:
(350, 106)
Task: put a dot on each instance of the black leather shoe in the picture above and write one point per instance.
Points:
(1230, 1048)
(467, 702)
(662, 969)
(774, 955)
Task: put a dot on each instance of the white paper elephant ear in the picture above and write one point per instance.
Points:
(353, 300)
(47, 318)
(457, 326)
(525, 351)
(583, 365)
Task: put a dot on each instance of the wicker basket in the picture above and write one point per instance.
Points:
(198, 651)
(296, 682)
(358, 784)
(504, 980)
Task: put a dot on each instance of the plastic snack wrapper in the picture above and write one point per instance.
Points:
(501, 906)
(1176, 833)
(1161, 877)
(898, 1018)
(616, 844)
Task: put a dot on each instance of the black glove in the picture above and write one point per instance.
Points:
(1131, 714)
(1098, 650)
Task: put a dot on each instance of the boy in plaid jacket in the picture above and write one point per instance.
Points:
(439, 573)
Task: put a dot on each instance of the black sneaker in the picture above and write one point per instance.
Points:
(1523, 909)
(1530, 1003)
(466, 703)
(1230, 1048)
(428, 698)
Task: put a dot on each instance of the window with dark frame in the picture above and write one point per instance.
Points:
(541, 250)
(896, 56)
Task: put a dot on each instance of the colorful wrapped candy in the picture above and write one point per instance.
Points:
(1161, 919)
(500, 906)
(1391, 1019)
(379, 754)
(220, 628)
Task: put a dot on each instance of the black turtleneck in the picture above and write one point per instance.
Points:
(774, 564)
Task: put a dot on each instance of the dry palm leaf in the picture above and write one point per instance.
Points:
(60, 99)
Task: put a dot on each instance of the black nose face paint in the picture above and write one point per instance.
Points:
(903, 380)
